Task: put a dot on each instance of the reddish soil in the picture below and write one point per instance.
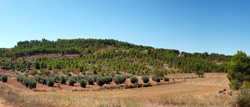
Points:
(40, 87)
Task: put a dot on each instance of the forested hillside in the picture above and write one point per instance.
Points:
(104, 57)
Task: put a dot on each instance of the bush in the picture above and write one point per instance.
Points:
(43, 80)
(119, 79)
(25, 81)
(50, 81)
(33, 72)
(145, 79)
(72, 81)
(133, 79)
(238, 70)
(90, 79)
(79, 77)
(56, 79)
(18, 78)
(32, 83)
(100, 81)
(200, 73)
(82, 82)
(243, 97)
(108, 79)
(166, 79)
(4, 78)
(156, 78)
(63, 80)
(37, 78)
(96, 77)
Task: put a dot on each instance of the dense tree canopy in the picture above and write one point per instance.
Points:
(238, 70)
(105, 56)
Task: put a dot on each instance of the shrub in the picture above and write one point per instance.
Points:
(238, 70)
(119, 79)
(79, 77)
(133, 79)
(18, 78)
(90, 79)
(82, 82)
(145, 79)
(56, 78)
(108, 79)
(37, 78)
(200, 73)
(25, 81)
(4, 78)
(156, 78)
(33, 72)
(166, 79)
(63, 80)
(72, 81)
(32, 83)
(43, 80)
(50, 81)
(123, 78)
(96, 77)
(243, 97)
(101, 81)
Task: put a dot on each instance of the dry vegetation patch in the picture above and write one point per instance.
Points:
(194, 92)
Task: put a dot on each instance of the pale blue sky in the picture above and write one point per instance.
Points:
(214, 26)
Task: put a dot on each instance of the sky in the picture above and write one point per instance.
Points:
(213, 26)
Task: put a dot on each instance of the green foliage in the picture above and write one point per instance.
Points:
(43, 80)
(134, 59)
(32, 83)
(119, 79)
(56, 79)
(200, 73)
(238, 70)
(50, 81)
(82, 82)
(90, 79)
(100, 81)
(62, 80)
(166, 79)
(4, 78)
(79, 77)
(145, 79)
(72, 81)
(133, 79)
(38, 78)
(108, 79)
(156, 78)
(243, 97)
(33, 72)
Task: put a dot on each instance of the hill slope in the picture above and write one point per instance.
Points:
(105, 57)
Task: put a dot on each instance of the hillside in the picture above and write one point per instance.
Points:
(104, 57)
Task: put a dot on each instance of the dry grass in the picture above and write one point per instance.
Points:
(200, 92)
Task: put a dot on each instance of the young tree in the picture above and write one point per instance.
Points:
(145, 79)
(238, 70)
(133, 79)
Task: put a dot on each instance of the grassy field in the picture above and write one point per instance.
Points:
(200, 92)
